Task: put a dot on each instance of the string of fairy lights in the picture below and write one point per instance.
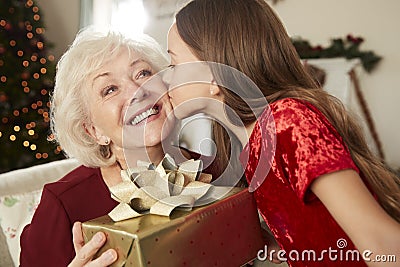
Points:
(26, 133)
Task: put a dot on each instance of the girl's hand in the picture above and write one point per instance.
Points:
(85, 252)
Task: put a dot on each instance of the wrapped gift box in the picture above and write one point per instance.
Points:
(224, 233)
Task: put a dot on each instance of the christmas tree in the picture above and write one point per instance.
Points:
(26, 77)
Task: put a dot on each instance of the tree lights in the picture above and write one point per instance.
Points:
(26, 77)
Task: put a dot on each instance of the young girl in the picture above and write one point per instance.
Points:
(326, 195)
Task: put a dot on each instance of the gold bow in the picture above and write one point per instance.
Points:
(159, 190)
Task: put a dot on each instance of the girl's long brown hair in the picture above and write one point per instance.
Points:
(249, 36)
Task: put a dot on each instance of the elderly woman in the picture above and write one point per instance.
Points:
(99, 82)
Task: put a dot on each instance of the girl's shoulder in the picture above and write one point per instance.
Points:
(291, 104)
(297, 117)
(296, 111)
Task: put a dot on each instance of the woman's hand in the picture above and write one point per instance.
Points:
(272, 245)
(85, 252)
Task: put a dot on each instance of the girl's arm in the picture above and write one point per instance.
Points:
(351, 204)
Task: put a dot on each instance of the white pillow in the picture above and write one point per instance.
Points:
(20, 193)
(16, 212)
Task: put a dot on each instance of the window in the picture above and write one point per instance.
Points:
(126, 16)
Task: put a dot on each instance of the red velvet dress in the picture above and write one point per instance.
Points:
(307, 146)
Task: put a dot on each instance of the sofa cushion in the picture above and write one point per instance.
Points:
(20, 192)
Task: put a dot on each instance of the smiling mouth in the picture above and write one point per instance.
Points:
(144, 115)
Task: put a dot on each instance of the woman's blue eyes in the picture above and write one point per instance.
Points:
(144, 73)
(108, 90)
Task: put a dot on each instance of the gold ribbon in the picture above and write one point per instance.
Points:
(159, 189)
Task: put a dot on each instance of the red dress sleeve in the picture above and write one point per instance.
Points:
(50, 249)
(309, 145)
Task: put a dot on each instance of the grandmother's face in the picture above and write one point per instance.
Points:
(126, 106)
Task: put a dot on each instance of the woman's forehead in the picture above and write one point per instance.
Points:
(128, 56)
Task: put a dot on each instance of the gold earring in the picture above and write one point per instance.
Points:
(107, 142)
